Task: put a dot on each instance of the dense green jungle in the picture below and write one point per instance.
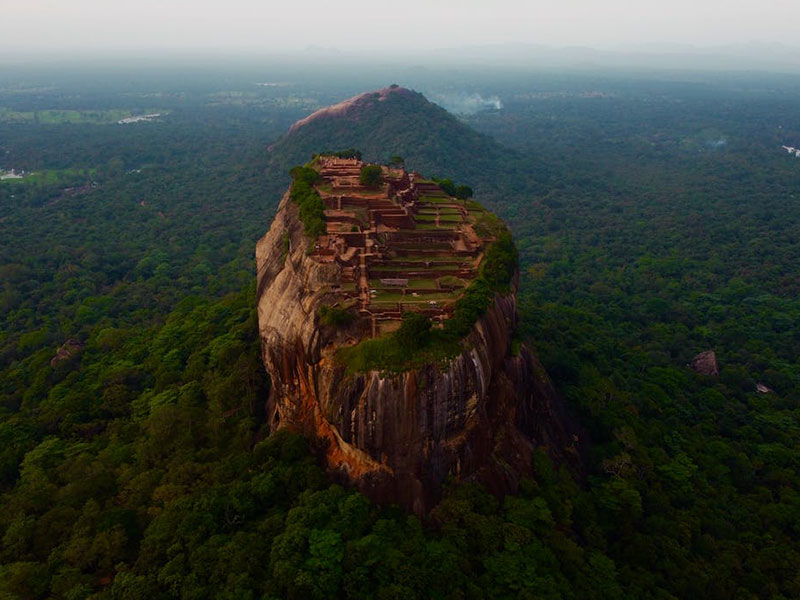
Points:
(656, 215)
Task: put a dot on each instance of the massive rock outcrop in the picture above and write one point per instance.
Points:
(351, 107)
(398, 121)
(398, 436)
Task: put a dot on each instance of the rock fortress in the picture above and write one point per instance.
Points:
(399, 245)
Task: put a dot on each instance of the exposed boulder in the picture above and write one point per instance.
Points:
(705, 363)
(67, 350)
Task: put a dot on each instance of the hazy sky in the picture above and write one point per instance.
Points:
(403, 25)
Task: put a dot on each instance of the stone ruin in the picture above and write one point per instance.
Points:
(405, 245)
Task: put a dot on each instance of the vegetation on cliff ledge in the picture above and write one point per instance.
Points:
(334, 316)
(312, 209)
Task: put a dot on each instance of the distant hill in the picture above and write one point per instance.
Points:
(398, 121)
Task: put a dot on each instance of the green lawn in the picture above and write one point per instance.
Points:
(392, 269)
(436, 200)
(384, 297)
(376, 284)
(410, 246)
(431, 218)
(452, 280)
(443, 210)
(422, 284)
(440, 227)
(422, 258)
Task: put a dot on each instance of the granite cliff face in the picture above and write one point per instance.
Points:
(398, 436)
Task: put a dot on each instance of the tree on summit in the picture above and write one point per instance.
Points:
(414, 332)
(371, 176)
(463, 192)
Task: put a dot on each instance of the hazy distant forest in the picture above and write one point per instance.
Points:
(656, 214)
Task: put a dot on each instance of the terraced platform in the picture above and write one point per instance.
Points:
(405, 245)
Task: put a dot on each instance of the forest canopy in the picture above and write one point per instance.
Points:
(654, 219)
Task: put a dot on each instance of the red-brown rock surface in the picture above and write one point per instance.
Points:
(705, 363)
(67, 350)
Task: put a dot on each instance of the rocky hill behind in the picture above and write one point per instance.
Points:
(396, 121)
